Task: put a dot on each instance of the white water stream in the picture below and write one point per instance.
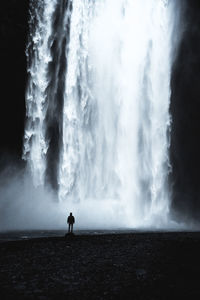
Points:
(113, 158)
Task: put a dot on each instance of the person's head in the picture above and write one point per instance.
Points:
(70, 214)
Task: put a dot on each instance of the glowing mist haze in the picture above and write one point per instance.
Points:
(99, 72)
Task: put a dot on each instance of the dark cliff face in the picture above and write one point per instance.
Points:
(185, 110)
(185, 100)
(13, 34)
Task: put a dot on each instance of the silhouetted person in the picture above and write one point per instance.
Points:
(70, 221)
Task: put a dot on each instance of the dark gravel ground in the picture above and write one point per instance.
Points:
(111, 266)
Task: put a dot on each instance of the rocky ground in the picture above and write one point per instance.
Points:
(112, 266)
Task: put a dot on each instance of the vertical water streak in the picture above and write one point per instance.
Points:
(46, 51)
(39, 56)
(76, 100)
(57, 68)
(155, 125)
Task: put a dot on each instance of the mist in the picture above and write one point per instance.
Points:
(25, 207)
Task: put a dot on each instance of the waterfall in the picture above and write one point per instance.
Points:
(35, 144)
(98, 96)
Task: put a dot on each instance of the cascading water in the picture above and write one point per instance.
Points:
(35, 144)
(98, 106)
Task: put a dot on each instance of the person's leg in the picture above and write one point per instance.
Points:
(72, 228)
(69, 229)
